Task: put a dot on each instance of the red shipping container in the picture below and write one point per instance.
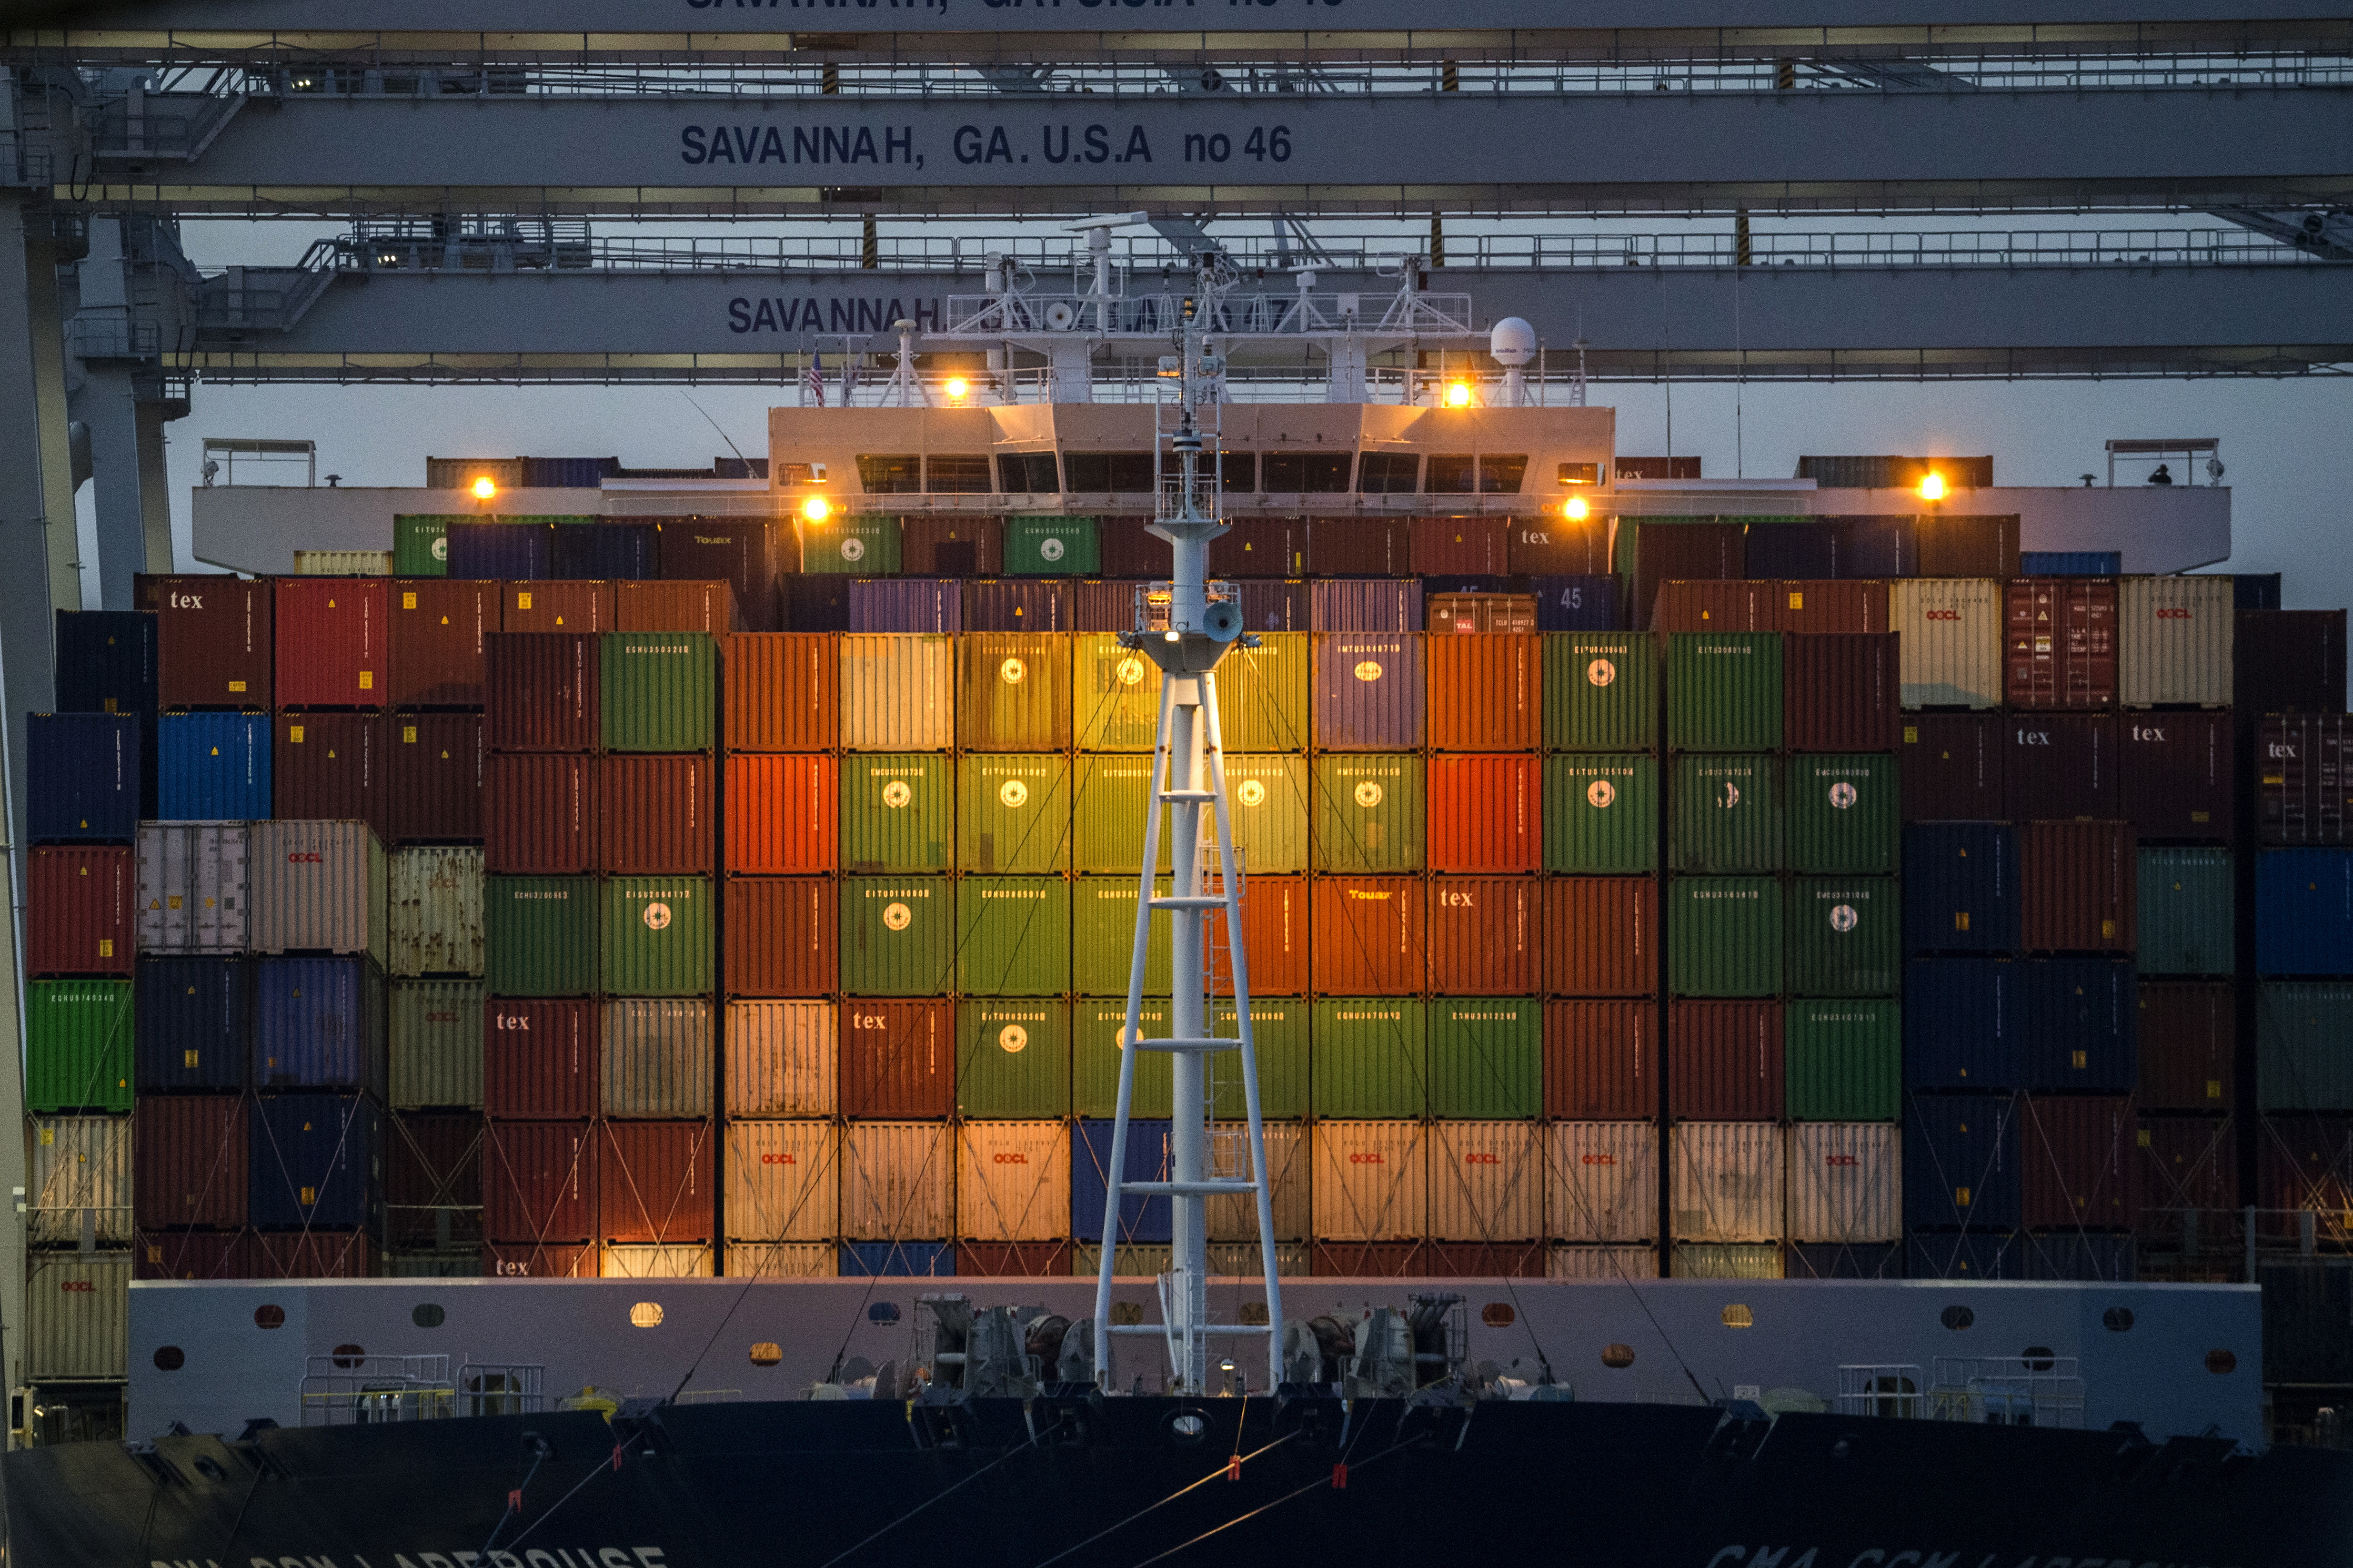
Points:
(1359, 547)
(539, 1059)
(1467, 546)
(2174, 776)
(213, 639)
(542, 1260)
(539, 1181)
(1656, 553)
(2060, 639)
(2080, 1170)
(1841, 691)
(1013, 1260)
(1369, 936)
(79, 922)
(1484, 1260)
(782, 935)
(433, 1180)
(2079, 886)
(741, 551)
(1483, 692)
(189, 1161)
(330, 767)
(1966, 546)
(1601, 936)
(898, 1058)
(1711, 605)
(2305, 1162)
(1724, 1061)
(780, 692)
(1952, 767)
(578, 605)
(2282, 661)
(1601, 1060)
(314, 1255)
(657, 1181)
(1487, 813)
(437, 778)
(666, 607)
(541, 694)
(2187, 1163)
(653, 815)
(331, 635)
(1484, 936)
(193, 1254)
(1851, 606)
(1550, 545)
(2304, 783)
(1255, 547)
(2060, 766)
(1123, 550)
(781, 815)
(2188, 1045)
(1274, 936)
(1368, 1261)
(952, 545)
(540, 815)
(434, 649)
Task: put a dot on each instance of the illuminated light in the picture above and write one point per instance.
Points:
(1459, 395)
(816, 509)
(647, 1315)
(1576, 508)
(1174, 636)
(956, 387)
(484, 489)
(1932, 488)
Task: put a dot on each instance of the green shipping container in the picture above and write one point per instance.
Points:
(77, 1045)
(897, 935)
(1601, 813)
(1102, 937)
(1095, 1058)
(2302, 1062)
(1116, 695)
(1486, 1058)
(1843, 1059)
(1368, 813)
(2189, 908)
(659, 936)
(1279, 1036)
(862, 547)
(1013, 811)
(1724, 813)
(898, 811)
(1263, 704)
(1601, 691)
(1723, 691)
(1723, 936)
(1051, 547)
(1267, 799)
(420, 544)
(1013, 1059)
(1371, 1057)
(1108, 819)
(1846, 936)
(1013, 936)
(659, 691)
(1016, 691)
(1844, 814)
(539, 935)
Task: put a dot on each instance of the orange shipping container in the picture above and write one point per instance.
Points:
(436, 641)
(653, 815)
(1840, 692)
(1485, 814)
(1483, 692)
(781, 814)
(1601, 1060)
(539, 814)
(1821, 604)
(581, 605)
(782, 935)
(780, 692)
(78, 921)
(1601, 936)
(652, 606)
(898, 1058)
(1483, 935)
(1274, 936)
(1369, 936)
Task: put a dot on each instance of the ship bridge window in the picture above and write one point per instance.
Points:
(890, 474)
(1580, 473)
(1387, 473)
(1090, 472)
(1026, 473)
(801, 473)
(1501, 475)
(1310, 473)
(1238, 472)
(956, 474)
(1451, 474)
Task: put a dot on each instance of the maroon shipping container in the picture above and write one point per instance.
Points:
(1272, 606)
(2175, 782)
(80, 919)
(539, 814)
(2060, 766)
(1841, 691)
(1665, 552)
(1486, 815)
(331, 642)
(314, 1255)
(2283, 661)
(2080, 1170)
(952, 545)
(1370, 936)
(1359, 547)
(1463, 546)
(1601, 1060)
(578, 605)
(780, 692)
(539, 1181)
(1851, 606)
(1724, 1061)
(1275, 918)
(1601, 936)
(742, 551)
(2079, 890)
(1483, 692)
(435, 648)
(1966, 546)
(1952, 767)
(541, 1260)
(193, 1254)
(1549, 546)
(669, 607)
(2187, 1042)
(657, 1181)
(541, 694)
(2060, 642)
(437, 778)
(1123, 550)
(783, 936)
(1483, 935)
(654, 814)
(2305, 1162)
(1484, 1260)
(539, 1059)
(1256, 547)
(189, 1161)
(1013, 1260)
(1368, 1261)
(1106, 607)
(330, 767)
(433, 1180)
(212, 640)
(1711, 605)
(898, 1058)
(2305, 784)
(2187, 1163)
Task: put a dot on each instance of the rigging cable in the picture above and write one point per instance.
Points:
(1224, 1468)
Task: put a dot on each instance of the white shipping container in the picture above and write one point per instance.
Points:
(1605, 1263)
(691, 1261)
(1846, 1182)
(1727, 1181)
(2173, 640)
(78, 1317)
(436, 914)
(1371, 1181)
(1601, 1181)
(80, 1169)
(343, 563)
(783, 1179)
(1130, 1261)
(192, 887)
(318, 887)
(436, 1044)
(1486, 1180)
(1949, 640)
(657, 1058)
(895, 1177)
(1240, 1260)
(780, 1058)
(1235, 1218)
(1013, 1181)
(898, 692)
(783, 1260)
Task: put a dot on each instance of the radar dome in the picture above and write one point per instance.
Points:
(1513, 343)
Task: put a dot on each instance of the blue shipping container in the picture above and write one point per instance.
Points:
(1368, 692)
(1961, 887)
(2071, 562)
(1960, 1164)
(212, 767)
(500, 552)
(106, 662)
(314, 1160)
(567, 473)
(2079, 1018)
(1960, 1256)
(1963, 1024)
(1576, 604)
(1365, 605)
(601, 551)
(2304, 912)
(1843, 1260)
(1140, 1218)
(2255, 590)
(1434, 586)
(2080, 1257)
(898, 1260)
(190, 1023)
(318, 1022)
(85, 775)
(905, 605)
(1813, 549)
(1880, 547)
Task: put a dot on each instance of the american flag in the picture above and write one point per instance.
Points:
(813, 379)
